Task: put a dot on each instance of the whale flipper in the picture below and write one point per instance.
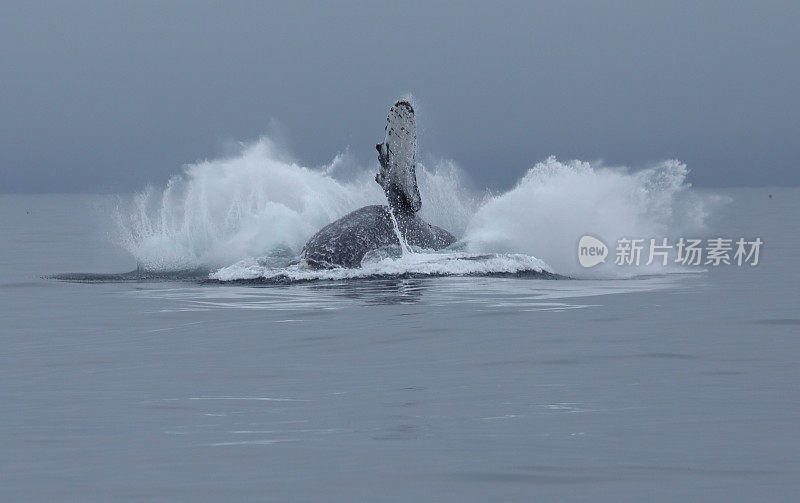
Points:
(397, 157)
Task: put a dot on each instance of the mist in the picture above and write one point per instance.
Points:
(106, 97)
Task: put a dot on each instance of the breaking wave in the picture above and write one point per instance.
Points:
(248, 216)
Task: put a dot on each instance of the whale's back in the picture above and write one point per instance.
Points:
(344, 242)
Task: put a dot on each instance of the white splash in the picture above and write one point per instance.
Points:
(220, 211)
(418, 263)
(255, 211)
(556, 203)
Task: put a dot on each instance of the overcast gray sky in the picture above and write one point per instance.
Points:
(106, 96)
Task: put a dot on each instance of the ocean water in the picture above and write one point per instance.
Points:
(414, 384)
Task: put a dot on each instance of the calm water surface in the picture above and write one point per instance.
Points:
(680, 387)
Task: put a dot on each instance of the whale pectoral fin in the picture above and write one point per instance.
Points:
(396, 155)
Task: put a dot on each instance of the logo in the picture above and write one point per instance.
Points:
(591, 251)
(683, 251)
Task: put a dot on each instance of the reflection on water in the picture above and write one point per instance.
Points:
(385, 292)
(491, 295)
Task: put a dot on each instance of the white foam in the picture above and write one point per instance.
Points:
(247, 215)
(418, 263)
(556, 203)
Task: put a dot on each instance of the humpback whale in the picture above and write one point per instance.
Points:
(344, 242)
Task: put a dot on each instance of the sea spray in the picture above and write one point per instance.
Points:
(556, 203)
(220, 211)
(239, 209)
